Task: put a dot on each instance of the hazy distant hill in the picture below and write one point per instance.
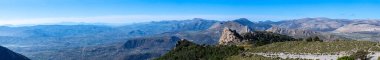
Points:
(38, 42)
(314, 24)
(150, 28)
(352, 29)
(300, 33)
(361, 26)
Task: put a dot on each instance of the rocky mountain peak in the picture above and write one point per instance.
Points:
(244, 21)
(198, 19)
(229, 37)
(246, 29)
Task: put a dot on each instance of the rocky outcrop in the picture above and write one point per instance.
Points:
(6, 54)
(258, 26)
(358, 29)
(314, 24)
(246, 29)
(364, 26)
(296, 33)
(229, 37)
(219, 26)
(240, 25)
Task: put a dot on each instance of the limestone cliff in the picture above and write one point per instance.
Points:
(229, 37)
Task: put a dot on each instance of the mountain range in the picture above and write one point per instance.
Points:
(148, 40)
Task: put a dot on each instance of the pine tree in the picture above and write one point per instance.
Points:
(309, 39)
(317, 39)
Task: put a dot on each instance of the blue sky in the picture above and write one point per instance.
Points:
(130, 11)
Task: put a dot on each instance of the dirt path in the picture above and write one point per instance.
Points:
(302, 56)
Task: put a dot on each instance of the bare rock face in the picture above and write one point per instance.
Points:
(246, 29)
(314, 24)
(297, 33)
(228, 24)
(229, 37)
(363, 26)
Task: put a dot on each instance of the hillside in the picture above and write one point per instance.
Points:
(231, 43)
(289, 50)
(6, 54)
(41, 42)
(314, 24)
(354, 29)
(299, 33)
(317, 47)
(268, 46)
(186, 50)
(361, 26)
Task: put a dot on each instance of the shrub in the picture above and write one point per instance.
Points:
(346, 58)
(259, 38)
(361, 54)
(186, 50)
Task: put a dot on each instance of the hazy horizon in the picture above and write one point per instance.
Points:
(35, 12)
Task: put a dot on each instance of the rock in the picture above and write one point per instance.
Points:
(246, 29)
(314, 24)
(229, 37)
(363, 26)
(296, 33)
(299, 33)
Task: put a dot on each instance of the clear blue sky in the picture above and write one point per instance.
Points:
(115, 11)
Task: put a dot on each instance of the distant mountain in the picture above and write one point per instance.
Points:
(361, 26)
(219, 26)
(299, 33)
(314, 24)
(150, 28)
(240, 25)
(71, 40)
(336, 28)
(6, 54)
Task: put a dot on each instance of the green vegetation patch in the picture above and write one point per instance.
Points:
(250, 57)
(259, 57)
(186, 50)
(316, 47)
(259, 38)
